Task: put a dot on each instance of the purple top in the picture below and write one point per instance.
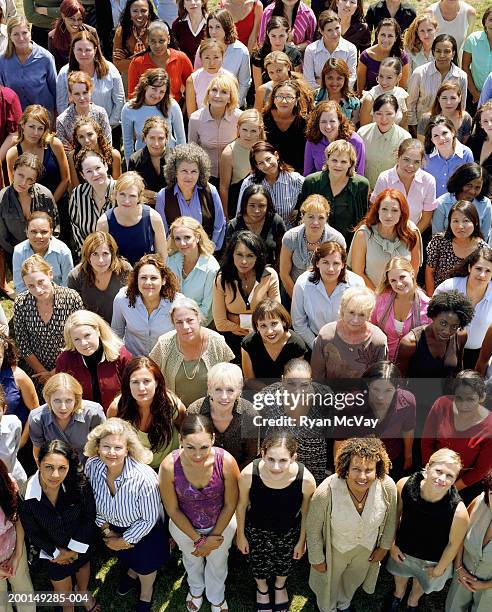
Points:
(372, 66)
(200, 506)
(314, 154)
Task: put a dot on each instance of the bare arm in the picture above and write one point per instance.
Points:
(429, 280)
(308, 488)
(359, 250)
(425, 220)
(285, 268)
(247, 366)
(365, 116)
(29, 397)
(231, 494)
(257, 78)
(256, 25)
(242, 505)
(116, 167)
(465, 65)
(7, 144)
(61, 158)
(225, 173)
(361, 77)
(416, 256)
(160, 241)
(406, 351)
(485, 353)
(457, 534)
(190, 95)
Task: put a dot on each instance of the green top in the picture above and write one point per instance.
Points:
(42, 21)
(160, 454)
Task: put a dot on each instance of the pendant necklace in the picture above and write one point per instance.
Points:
(360, 502)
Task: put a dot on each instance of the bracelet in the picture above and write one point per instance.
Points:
(458, 568)
(200, 542)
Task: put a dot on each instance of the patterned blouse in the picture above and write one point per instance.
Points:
(442, 259)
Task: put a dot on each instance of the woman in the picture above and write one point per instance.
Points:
(443, 152)
(285, 117)
(475, 52)
(247, 17)
(137, 229)
(11, 110)
(359, 490)
(100, 274)
(39, 317)
(192, 261)
(154, 412)
(189, 194)
(128, 508)
(353, 24)
(158, 54)
(382, 138)
(471, 583)
(244, 280)
(258, 215)
(186, 354)
(40, 241)
(149, 161)
(280, 179)
(86, 55)
(335, 87)
(326, 124)
(94, 356)
(13, 565)
(151, 98)
(418, 39)
(428, 504)
(400, 303)
(448, 249)
(10, 437)
(481, 138)
(300, 17)
(58, 514)
(91, 199)
(346, 191)
(214, 125)
(461, 422)
(141, 310)
(319, 290)
(65, 415)
(28, 68)
(435, 350)
(199, 489)
(33, 136)
(190, 25)
(455, 18)
(408, 177)
(274, 541)
(427, 78)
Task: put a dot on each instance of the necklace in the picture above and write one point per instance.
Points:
(360, 502)
(196, 366)
(313, 243)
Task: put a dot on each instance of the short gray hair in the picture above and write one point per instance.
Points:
(225, 373)
(189, 152)
(185, 302)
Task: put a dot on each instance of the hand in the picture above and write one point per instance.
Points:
(65, 557)
(120, 54)
(433, 571)
(299, 550)
(149, 197)
(378, 554)
(41, 10)
(44, 375)
(117, 543)
(319, 567)
(242, 544)
(5, 571)
(467, 580)
(13, 563)
(475, 96)
(396, 554)
(211, 543)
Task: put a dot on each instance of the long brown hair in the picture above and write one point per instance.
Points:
(101, 65)
(92, 242)
(313, 133)
(168, 291)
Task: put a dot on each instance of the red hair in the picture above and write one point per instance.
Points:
(403, 231)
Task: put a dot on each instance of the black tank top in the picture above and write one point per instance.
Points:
(425, 526)
(276, 510)
(425, 365)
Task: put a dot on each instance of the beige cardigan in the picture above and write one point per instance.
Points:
(318, 536)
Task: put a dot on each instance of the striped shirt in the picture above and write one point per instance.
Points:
(137, 502)
(84, 212)
(303, 28)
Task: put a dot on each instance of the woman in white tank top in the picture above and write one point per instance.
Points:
(454, 17)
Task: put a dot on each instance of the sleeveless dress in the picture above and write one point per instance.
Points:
(136, 241)
(13, 397)
(51, 176)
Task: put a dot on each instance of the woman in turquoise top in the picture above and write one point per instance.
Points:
(477, 56)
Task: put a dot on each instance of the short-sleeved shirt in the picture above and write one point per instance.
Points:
(441, 257)
(478, 46)
(266, 367)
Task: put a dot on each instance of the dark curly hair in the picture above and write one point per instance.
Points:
(370, 449)
(75, 482)
(103, 147)
(168, 290)
(451, 301)
(8, 494)
(10, 352)
(161, 408)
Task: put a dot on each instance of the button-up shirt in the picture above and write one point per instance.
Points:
(446, 201)
(441, 169)
(10, 435)
(58, 256)
(316, 56)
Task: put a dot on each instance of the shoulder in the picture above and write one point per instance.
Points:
(377, 336)
(90, 408)
(39, 414)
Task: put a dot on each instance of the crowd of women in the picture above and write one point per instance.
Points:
(217, 227)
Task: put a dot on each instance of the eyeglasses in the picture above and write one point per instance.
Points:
(280, 98)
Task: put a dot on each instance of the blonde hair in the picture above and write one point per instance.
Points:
(111, 343)
(446, 455)
(344, 147)
(64, 381)
(128, 179)
(209, 43)
(363, 299)
(252, 115)
(205, 245)
(411, 40)
(277, 57)
(226, 373)
(35, 263)
(14, 22)
(229, 82)
(315, 203)
(395, 263)
(117, 427)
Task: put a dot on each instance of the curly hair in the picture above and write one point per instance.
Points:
(161, 409)
(190, 153)
(323, 250)
(10, 352)
(411, 40)
(313, 133)
(126, 20)
(103, 146)
(304, 98)
(100, 63)
(153, 77)
(451, 301)
(168, 290)
(117, 427)
(397, 48)
(89, 246)
(370, 449)
(8, 494)
(224, 17)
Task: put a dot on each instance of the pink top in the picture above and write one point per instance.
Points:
(383, 316)
(201, 79)
(7, 537)
(303, 29)
(422, 192)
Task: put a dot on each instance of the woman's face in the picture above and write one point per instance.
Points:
(149, 281)
(388, 78)
(128, 198)
(143, 385)
(39, 285)
(216, 30)
(84, 51)
(443, 54)
(297, 382)
(488, 25)
(197, 447)
(39, 234)
(471, 190)
(329, 125)
(346, 8)
(481, 272)
(486, 122)
(223, 394)
(158, 41)
(380, 394)
(277, 72)
(277, 461)
(314, 221)
(33, 131)
(449, 101)
(95, 171)
(389, 213)
(80, 95)
(249, 133)
(361, 473)
(156, 141)
(338, 164)
(354, 318)
(385, 117)
(212, 59)
(442, 137)
(445, 325)
(74, 23)
(139, 13)
(21, 38)
(113, 451)
(100, 259)
(401, 281)
(330, 267)
(331, 33)
(271, 329)
(267, 163)
(441, 475)
(466, 400)
(278, 38)
(87, 137)
(62, 404)
(187, 324)
(256, 208)
(285, 99)
(187, 175)
(53, 469)
(409, 162)
(334, 82)
(244, 259)
(24, 179)
(192, 6)
(219, 97)
(386, 38)
(461, 225)
(426, 32)
(186, 240)
(85, 339)
(154, 94)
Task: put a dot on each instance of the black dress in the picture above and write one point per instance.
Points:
(290, 143)
(264, 365)
(272, 232)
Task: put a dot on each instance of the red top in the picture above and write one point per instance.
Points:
(245, 26)
(473, 445)
(10, 112)
(178, 68)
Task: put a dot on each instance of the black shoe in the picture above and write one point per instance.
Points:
(126, 584)
(394, 604)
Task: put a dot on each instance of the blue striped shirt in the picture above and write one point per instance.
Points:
(137, 502)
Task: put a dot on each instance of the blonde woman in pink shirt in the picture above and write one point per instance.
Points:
(400, 304)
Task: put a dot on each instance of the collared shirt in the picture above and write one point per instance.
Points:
(421, 196)
(316, 55)
(379, 10)
(139, 330)
(314, 154)
(486, 91)
(424, 84)
(34, 81)
(419, 59)
(10, 435)
(43, 426)
(441, 169)
(65, 124)
(58, 256)
(137, 502)
(446, 201)
(478, 46)
(303, 28)
(193, 208)
(178, 69)
(189, 41)
(312, 307)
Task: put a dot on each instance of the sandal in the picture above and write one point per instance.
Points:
(263, 607)
(284, 605)
(218, 607)
(190, 602)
